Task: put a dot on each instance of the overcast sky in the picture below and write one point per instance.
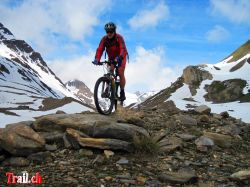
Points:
(162, 37)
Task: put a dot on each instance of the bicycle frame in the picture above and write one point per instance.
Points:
(112, 75)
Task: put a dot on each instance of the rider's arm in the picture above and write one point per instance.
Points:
(100, 49)
(123, 49)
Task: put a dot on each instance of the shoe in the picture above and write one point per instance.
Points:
(122, 95)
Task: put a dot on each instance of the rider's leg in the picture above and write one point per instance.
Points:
(121, 71)
(122, 77)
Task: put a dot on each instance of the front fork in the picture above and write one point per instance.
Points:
(115, 86)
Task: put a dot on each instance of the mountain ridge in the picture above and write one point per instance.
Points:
(27, 82)
(240, 52)
(223, 86)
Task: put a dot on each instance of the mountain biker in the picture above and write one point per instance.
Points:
(117, 53)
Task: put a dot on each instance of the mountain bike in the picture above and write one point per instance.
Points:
(106, 90)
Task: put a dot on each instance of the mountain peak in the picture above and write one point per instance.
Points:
(5, 33)
(76, 83)
(80, 89)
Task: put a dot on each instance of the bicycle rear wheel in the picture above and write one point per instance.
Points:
(104, 96)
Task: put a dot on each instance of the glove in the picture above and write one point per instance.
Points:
(118, 59)
(95, 62)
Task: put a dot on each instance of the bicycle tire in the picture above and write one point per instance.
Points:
(99, 108)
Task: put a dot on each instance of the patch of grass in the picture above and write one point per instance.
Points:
(245, 98)
(240, 82)
(240, 52)
(218, 86)
(146, 145)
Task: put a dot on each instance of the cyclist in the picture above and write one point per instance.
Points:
(117, 53)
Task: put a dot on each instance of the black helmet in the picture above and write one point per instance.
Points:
(110, 26)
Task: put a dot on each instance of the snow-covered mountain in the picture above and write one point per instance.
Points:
(81, 91)
(134, 99)
(26, 82)
(224, 86)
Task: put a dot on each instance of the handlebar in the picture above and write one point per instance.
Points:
(106, 62)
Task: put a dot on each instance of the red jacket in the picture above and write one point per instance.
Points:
(114, 47)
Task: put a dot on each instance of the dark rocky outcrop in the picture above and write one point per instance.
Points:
(225, 91)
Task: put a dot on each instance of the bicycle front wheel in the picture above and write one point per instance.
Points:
(104, 96)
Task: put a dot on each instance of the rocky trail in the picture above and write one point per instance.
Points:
(159, 146)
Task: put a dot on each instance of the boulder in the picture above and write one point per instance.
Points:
(93, 125)
(224, 114)
(72, 137)
(232, 130)
(204, 141)
(105, 143)
(52, 137)
(186, 120)
(60, 112)
(241, 175)
(78, 141)
(220, 139)
(181, 177)
(193, 76)
(204, 118)
(225, 91)
(203, 109)
(20, 140)
(171, 144)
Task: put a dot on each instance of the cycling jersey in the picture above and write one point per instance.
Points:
(114, 46)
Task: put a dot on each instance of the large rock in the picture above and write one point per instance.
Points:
(170, 144)
(225, 91)
(241, 175)
(203, 109)
(186, 120)
(20, 140)
(106, 143)
(220, 139)
(73, 135)
(52, 137)
(193, 76)
(94, 125)
(180, 177)
(203, 143)
(77, 140)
